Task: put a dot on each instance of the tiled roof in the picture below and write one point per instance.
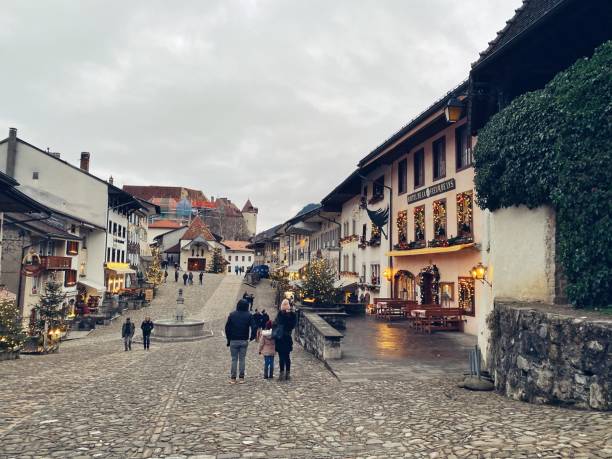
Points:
(248, 207)
(198, 228)
(237, 245)
(170, 224)
(149, 192)
(227, 207)
(524, 17)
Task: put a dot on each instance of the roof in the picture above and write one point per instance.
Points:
(237, 245)
(248, 207)
(530, 12)
(266, 235)
(227, 208)
(169, 224)
(13, 200)
(47, 226)
(198, 228)
(149, 192)
(350, 187)
(412, 124)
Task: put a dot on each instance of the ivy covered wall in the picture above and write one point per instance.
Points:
(554, 146)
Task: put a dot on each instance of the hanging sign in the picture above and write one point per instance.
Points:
(433, 190)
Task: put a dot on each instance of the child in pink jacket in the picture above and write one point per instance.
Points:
(268, 349)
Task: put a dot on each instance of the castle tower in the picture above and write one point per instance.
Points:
(249, 213)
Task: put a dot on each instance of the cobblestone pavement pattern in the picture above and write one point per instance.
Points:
(92, 399)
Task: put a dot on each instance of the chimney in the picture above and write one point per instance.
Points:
(11, 154)
(85, 161)
(111, 180)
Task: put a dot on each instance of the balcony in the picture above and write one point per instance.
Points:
(50, 262)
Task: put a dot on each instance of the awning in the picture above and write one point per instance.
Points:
(122, 270)
(344, 283)
(92, 285)
(295, 267)
(429, 250)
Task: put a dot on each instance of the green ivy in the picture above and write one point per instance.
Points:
(554, 147)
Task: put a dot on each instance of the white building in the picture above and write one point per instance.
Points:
(249, 214)
(238, 256)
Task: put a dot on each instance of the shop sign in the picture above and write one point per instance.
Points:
(433, 190)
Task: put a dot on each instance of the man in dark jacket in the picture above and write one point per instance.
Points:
(239, 330)
(147, 327)
(257, 319)
(201, 277)
(264, 318)
(176, 275)
(127, 332)
(185, 277)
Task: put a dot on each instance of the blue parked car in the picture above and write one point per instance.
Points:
(263, 271)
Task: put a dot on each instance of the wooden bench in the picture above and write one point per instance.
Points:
(391, 309)
(438, 318)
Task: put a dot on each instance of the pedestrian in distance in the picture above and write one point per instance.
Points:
(264, 316)
(258, 324)
(250, 299)
(239, 330)
(281, 332)
(185, 278)
(267, 347)
(176, 275)
(147, 327)
(127, 333)
(165, 276)
(190, 278)
(236, 269)
(201, 276)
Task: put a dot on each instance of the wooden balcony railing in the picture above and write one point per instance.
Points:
(50, 262)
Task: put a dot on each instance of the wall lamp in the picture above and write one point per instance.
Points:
(479, 272)
(453, 110)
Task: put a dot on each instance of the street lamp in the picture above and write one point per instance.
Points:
(453, 110)
(479, 272)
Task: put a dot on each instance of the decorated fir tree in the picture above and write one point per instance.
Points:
(154, 273)
(217, 265)
(319, 282)
(11, 333)
(49, 309)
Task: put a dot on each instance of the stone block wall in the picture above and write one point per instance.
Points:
(540, 356)
(318, 337)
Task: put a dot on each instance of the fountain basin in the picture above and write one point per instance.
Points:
(186, 330)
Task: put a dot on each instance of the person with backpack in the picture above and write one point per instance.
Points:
(281, 332)
(127, 332)
(239, 330)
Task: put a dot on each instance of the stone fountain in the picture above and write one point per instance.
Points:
(179, 328)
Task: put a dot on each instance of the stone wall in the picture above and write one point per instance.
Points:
(318, 337)
(540, 356)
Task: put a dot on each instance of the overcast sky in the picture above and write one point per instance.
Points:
(273, 100)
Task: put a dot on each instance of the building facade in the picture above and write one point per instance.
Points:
(239, 256)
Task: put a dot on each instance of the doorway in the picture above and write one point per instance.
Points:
(196, 264)
(426, 284)
(404, 286)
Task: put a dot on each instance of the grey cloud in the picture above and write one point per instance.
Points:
(273, 100)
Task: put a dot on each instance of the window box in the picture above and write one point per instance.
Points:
(52, 262)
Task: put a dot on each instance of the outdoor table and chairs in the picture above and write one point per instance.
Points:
(433, 317)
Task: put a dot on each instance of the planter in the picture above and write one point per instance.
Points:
(9, 355)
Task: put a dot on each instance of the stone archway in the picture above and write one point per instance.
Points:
(404, 285)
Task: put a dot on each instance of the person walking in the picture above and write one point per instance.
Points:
(190, 278)
(201, 276)
(282, 329)
(127, 332)
(268, 349)
(165, 276)
(258, 324)
(185, 278)
(264, 316)
(147, 327)
(176, 275)
(239, 330)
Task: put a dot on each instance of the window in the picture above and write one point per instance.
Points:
(70, 278)
(402, 176)
(73, 229)
(123, 256)
(124, 231)
(439, 219)
(419, 223)
(364, 231)
(108, 254)
(354, 227)
(463, 156)
(110, 226)
(467, 300)
(378, 190)
(113, 257)
(354, 263)
(363, 273)
(34, 175)
(465, 215)
(419, 168)
(114, 228)
(242, 257)
(439, 158)
(249, 257)
(375, 274)
(72, 247)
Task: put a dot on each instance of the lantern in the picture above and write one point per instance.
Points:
(453, 110)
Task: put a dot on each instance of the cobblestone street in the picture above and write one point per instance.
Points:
(92, 399)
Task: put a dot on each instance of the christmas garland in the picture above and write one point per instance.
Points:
(435, 283)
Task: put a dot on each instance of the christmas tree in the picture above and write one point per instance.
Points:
(154, 271)
(49, 310)
(319, 282)
(218, 263)
(11, 333)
